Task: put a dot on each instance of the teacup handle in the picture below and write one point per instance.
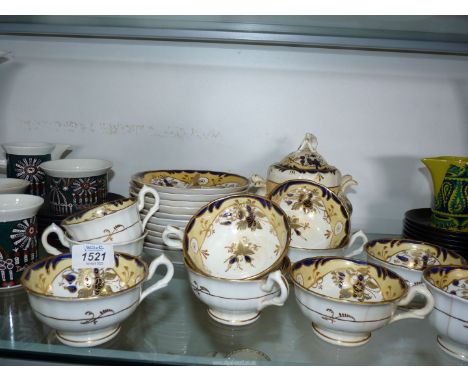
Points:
(355, 236)
(141, 202)
(61, 235)
(258, 184)
(161, 260)
(415, 313)
(275, 278)
(173, 243)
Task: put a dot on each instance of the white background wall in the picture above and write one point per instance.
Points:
(156, 105)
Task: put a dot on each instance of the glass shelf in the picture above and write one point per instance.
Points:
(172, 326)
(423, 34)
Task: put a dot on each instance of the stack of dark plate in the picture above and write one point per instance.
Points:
(46, 218)
(417, 226)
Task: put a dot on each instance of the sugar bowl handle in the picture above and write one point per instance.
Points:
(161, 260)
(258, 185)
(54, 228)
(275, 278)
(415, 313)
(355, 236)
(145, 190)
(346, 182)
(173, 243)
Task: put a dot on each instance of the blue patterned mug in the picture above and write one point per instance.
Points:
(73, 185)
(22, 161)
(18, 236)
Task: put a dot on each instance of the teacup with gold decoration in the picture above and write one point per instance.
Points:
(449, 286)
(346, 300)
(86, 306)
(235, 237)
(317, 217)
(237, 302)
(353, 247)
(133, 247)
(113, 222)
(409, 258)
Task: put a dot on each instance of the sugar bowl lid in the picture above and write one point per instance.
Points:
(305, 163)
(307, 158)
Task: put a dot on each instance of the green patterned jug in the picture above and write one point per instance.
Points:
(450, 179)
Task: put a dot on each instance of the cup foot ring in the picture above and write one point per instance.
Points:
(233, 322)
(100, 338)
(453, 349)
(347, 340)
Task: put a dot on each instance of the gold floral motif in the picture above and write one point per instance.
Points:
(332, 317)
(93, 319)
(414, 259)
(242, 251)
(129, 277)
(309, 201)
(244, 214)
(117, 228)
(92, 282)
(355, 284)
(199, 288)
(42, 284)
(206, 229)
(204, 253)
(454, 281)
(297, 226)
(308, 198)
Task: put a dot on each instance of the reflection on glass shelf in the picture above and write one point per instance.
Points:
(435, 34)
(172, 326)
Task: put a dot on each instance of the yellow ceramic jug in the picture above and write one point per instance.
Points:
(450, 180)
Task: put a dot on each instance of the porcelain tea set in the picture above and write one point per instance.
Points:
(240, 242)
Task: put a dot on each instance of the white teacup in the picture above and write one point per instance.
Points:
(85, 312)
(449, 286)
(409, 258)
(113, 222)
(238, 302)
(348, 299)
(297, 254)
(132, 247)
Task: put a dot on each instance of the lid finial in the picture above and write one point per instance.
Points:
(310, 141)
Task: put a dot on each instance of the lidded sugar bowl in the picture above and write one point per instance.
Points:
(307, 164)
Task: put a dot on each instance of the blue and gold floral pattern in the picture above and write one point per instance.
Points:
(450, 279)
(55, 277)
(411, 254)
(235, 236)
(348, 280)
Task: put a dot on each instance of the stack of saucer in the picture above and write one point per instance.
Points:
(182, 193)
(417, 225)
